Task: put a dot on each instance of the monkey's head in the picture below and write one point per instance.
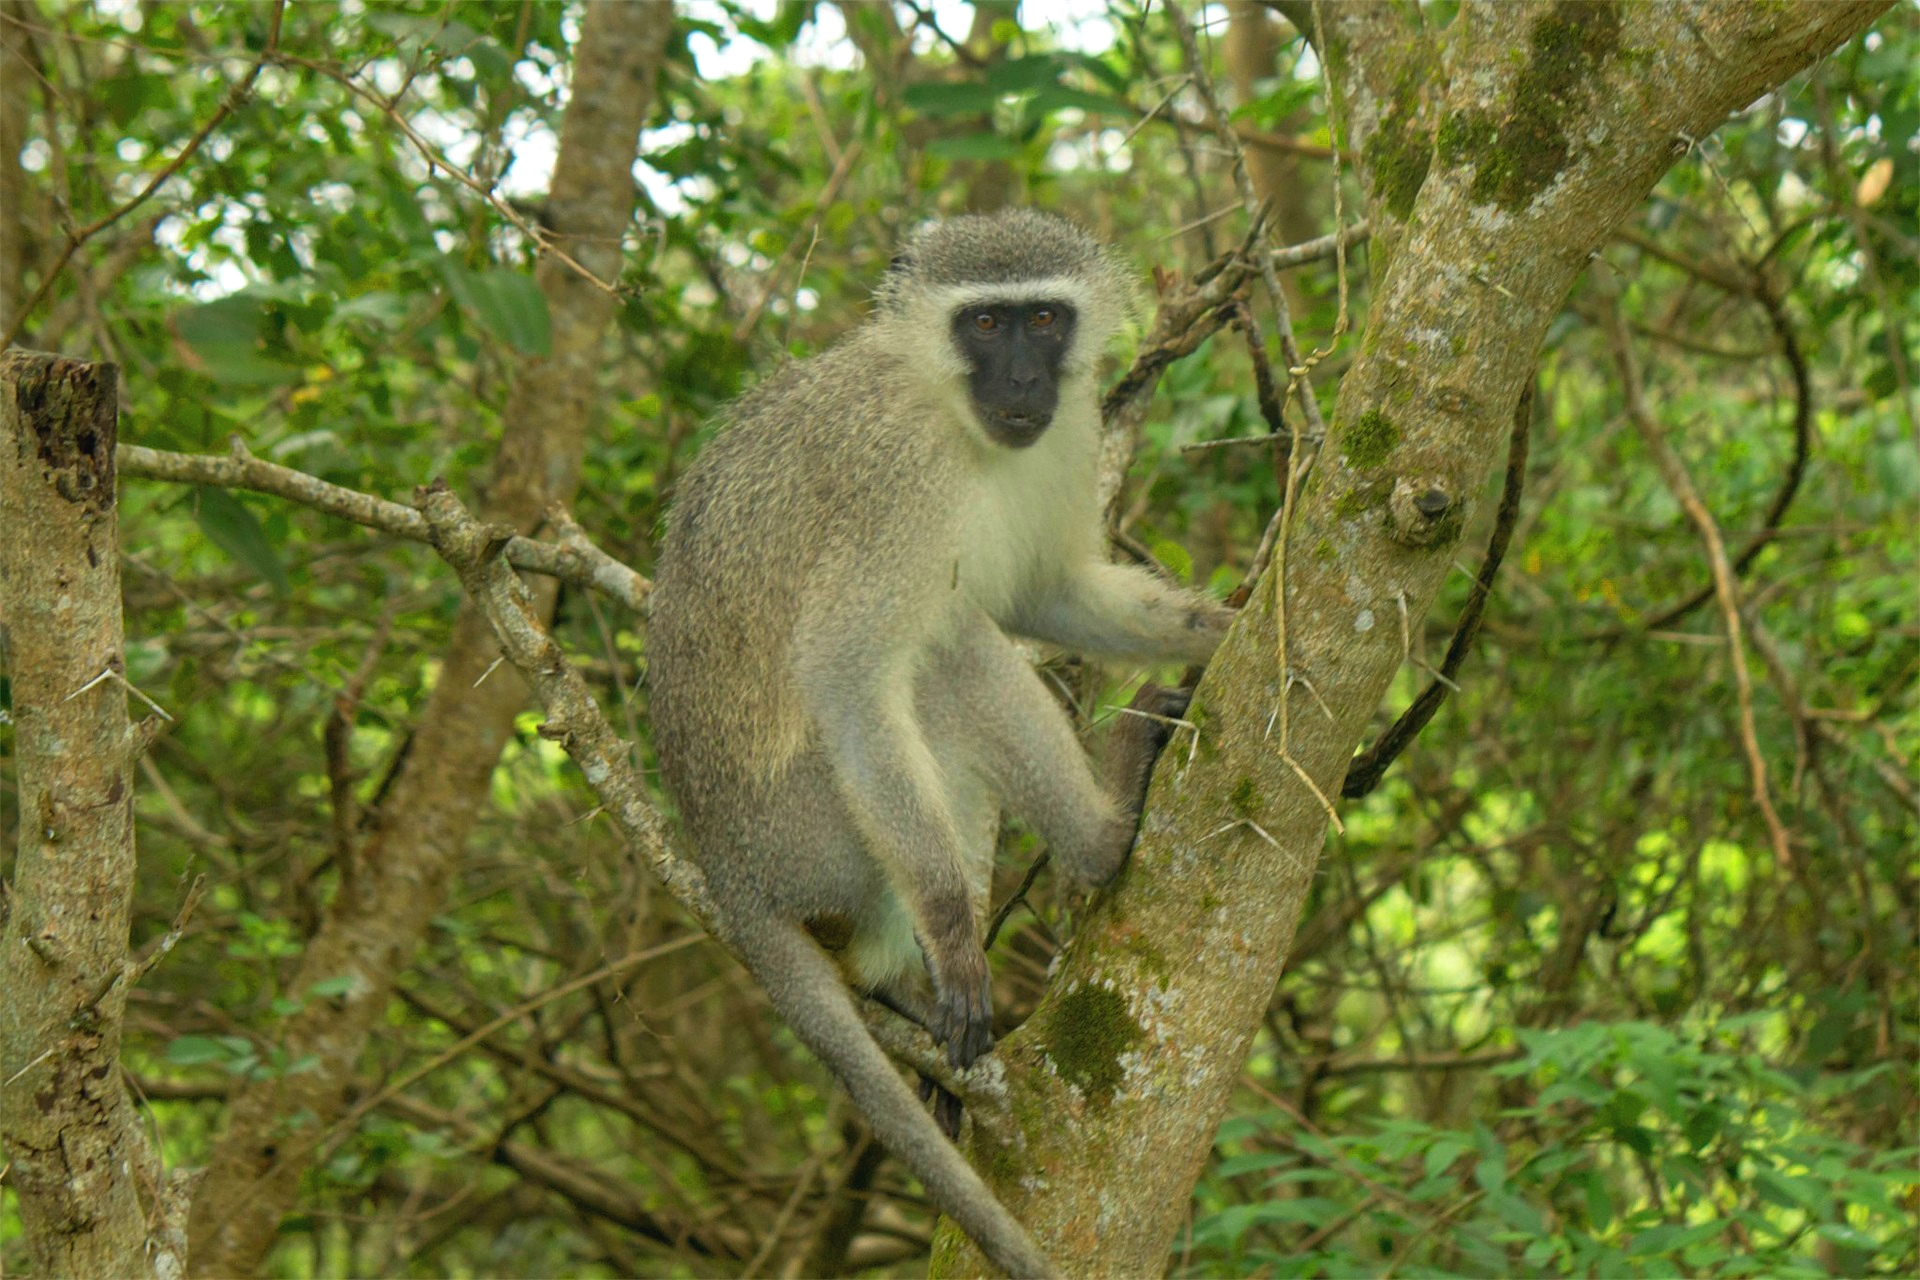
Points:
(1010, 306)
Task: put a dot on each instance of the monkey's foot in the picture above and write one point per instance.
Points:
(962, 1001)
(946, 1106)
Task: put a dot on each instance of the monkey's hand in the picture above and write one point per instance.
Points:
(1132, 745)
(1137, 740)
(962, 995)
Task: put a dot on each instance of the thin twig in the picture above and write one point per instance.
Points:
(1674, 472)
(228, 105)
(575, 562)
(811, 232)
(1019, 896)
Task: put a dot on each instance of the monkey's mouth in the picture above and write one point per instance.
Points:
(1014, 428)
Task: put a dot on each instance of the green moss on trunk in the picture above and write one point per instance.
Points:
(1091, 1029)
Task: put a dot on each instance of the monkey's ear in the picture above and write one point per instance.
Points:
(901, 264)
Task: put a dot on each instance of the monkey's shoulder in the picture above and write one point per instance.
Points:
(843, 401)
(829, 447)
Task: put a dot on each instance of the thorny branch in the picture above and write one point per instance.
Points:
(1752, 285)
(1250, 201)
(575, 721)
(1796, 468)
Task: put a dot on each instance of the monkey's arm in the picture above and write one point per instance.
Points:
(1124, 612)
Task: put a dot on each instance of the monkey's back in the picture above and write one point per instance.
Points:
(814, 475)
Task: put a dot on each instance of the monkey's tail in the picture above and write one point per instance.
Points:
(809, 993)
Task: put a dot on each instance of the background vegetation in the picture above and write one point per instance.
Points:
(1561, 1003)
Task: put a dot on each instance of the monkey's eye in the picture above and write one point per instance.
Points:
(985, 322)
(1041, 318)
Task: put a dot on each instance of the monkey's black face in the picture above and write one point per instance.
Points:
(1014, 352)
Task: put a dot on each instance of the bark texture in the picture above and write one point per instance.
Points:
(1495, 166)
(68, 1130)
(400, 875)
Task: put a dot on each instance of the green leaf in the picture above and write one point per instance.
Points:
(1252, 1162)
(1441, 1155)
(126, 96)
(507, 304)
(1516, 1213)
(1599, 1202)
(968, 99)
(1789, 1192)
(1850, 1237)
(1020, 75)
(194, 1051)
(974, 146)
(228, 338)
(782, 30)
(1176, 557)
(327, 988)
(1056, 97)
(232, 527)
(377, 307)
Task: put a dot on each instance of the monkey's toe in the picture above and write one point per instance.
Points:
(946, 1106)
(946, 1111)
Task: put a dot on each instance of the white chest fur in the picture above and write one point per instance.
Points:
(1031, 513)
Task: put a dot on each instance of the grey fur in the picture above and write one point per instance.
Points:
(839, 711)
(1002, 248)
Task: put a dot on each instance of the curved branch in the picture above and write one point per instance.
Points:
(1796, 469)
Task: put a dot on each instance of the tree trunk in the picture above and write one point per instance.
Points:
(67, 1127)
(401, 870)
(1557, 120)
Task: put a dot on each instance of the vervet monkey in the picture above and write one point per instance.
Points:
(839, 711)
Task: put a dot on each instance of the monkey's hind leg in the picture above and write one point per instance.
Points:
(1134, 741)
